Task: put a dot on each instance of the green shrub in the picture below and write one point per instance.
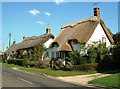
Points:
(43, 64)
(30, 64)
(4, 60)
(68, 66)
(107, 64)
(79, 67)
(10, 61)
(20, 62)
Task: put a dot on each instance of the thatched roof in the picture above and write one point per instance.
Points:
(13, 48)
(29, 42)
(81, 31)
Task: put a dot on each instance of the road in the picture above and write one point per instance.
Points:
(20, 80)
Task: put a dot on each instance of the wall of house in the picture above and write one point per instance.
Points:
(99, 35)
(47, 43)
(52, 52)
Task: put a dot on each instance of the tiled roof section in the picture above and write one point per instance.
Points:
(81, 31)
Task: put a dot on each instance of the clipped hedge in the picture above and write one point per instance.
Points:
(38, 64)
(20, 62)
(10, 61)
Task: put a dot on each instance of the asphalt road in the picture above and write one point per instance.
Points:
(12, 79)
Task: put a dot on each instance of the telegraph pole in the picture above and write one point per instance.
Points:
(9, 39)
(3, 47)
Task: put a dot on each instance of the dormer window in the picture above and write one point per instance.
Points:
(55, 44)
(74, 42)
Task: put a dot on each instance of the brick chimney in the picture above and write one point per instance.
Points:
(97, 12)
(48, 30)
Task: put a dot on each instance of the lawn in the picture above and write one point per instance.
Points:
(49, 71)
(108, 81)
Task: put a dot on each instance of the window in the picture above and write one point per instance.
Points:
(57, 54)
(62, 55)
(52, 55)
(74, 42)
(103, 39)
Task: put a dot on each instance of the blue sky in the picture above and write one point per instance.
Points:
(30, 19)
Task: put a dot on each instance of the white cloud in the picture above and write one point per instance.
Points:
(34, 12)
(47, 13)
(40, 22)
(59, 1)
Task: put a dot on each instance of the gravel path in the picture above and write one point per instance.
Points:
(82, 79)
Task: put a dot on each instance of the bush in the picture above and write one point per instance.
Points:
(68, 66)
(107, 64)
(30, 64)
(79, 67)
(10, 61)
(91, 66)
(116, 52)
(4, 60)
(75, 57)
(20, 62)
(43, 64)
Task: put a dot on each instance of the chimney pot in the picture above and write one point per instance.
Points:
(97, 12)
(24, 37)
(48, 31)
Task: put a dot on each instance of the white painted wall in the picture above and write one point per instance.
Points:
(97, 36)
(47, 43)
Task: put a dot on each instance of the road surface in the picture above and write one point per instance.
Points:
(22, 80)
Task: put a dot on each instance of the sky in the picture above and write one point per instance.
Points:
(32, 18)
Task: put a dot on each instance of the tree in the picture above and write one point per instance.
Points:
(97, 51)
(76, 56)
(38, 52)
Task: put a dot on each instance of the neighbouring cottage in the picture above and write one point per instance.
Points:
(84, 32)
(1, 54)
(28, 44)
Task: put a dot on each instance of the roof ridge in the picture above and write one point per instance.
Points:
(92, 19)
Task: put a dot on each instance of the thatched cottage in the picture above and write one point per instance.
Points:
(85, 32)
(28, 44)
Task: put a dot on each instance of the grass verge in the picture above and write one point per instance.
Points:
(50, 72)
(108, 81)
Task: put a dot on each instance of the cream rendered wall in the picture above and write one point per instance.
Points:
(97, 36)
(47, 43)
